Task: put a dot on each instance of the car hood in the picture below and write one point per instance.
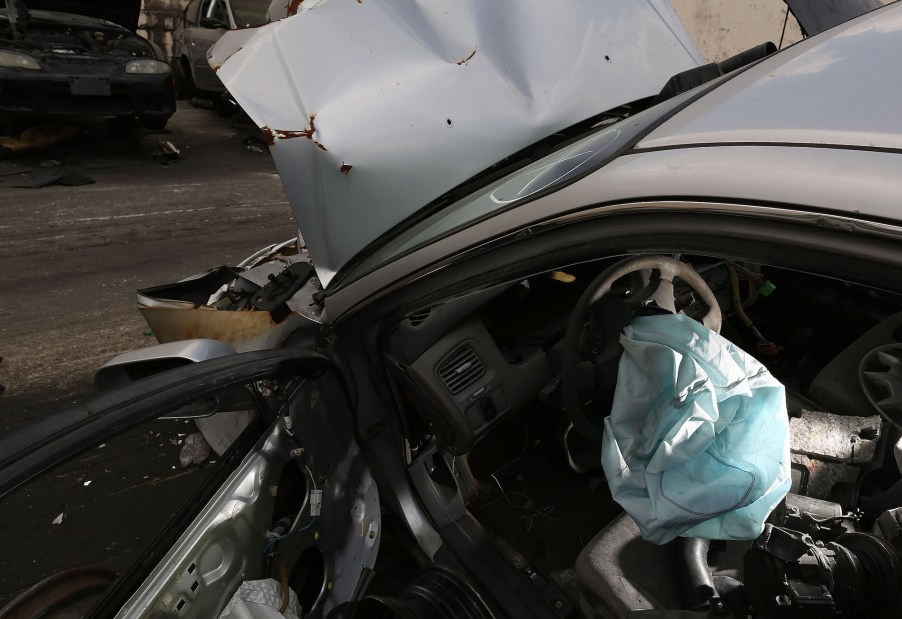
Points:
(122, 12)
(374, 109)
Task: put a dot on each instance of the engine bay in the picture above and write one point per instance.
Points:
(63, 38)
(480, 379)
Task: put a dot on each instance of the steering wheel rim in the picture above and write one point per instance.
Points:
(604, 365)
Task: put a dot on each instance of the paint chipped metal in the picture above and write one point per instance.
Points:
(292, 7)
(467, 59)
(272, 135)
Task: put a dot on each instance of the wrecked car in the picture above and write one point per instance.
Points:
(201, 25)
(60, 63)
(433, 438)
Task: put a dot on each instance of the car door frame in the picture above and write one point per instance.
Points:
(200, 40)
(330, 440)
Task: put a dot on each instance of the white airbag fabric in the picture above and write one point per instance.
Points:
(697, 443)
(261, 599)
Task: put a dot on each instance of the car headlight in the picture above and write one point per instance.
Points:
(18, 60)
(146, 66)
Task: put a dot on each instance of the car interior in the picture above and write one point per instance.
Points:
(500, 394)
(487, 397)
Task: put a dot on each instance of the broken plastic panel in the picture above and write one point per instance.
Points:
(252, 306)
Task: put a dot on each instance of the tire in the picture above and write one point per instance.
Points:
(184, 80)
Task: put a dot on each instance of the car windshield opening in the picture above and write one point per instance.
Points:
(248, 13)
(533, 179)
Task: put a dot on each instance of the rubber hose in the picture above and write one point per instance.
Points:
(697, 577)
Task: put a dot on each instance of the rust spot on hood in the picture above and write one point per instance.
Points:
(345, 167)
(467, 59)
(272, 135)
(293, 7)
(287, 135)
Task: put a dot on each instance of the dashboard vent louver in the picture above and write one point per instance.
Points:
(461, 369)
(418, 317)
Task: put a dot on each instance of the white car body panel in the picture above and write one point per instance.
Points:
(822, 91)
(375, 109)
(834, 164)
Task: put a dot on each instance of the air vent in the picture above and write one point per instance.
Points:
(418, 317)
(461, 369)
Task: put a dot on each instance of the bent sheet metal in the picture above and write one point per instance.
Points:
(375, 109)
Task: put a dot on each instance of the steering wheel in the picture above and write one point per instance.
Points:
(880, 374)
(591, 353)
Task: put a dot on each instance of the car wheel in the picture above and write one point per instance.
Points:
(185, 87)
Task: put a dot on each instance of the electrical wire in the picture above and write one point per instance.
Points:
(283, 580)
(297, 518)
(270, 549)
(312, 480)
(515, 460)
(782, 34)
(748, 273)
(764, 346)
(528, 503)
(273, 541)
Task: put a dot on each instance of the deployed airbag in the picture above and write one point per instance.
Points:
(261, 599)
(697, 443)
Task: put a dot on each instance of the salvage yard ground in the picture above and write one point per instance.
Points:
(71, 258)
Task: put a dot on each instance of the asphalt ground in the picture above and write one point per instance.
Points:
(71, 259)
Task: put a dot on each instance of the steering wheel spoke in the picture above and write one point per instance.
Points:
(598, 319)
(663, 295)
(587, 380)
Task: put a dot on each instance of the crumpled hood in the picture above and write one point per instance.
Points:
(374, 109)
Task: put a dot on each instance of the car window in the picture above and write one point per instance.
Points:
(91, 518)
(214, 9)
(190, 14)
(205, 8)
(100, 502)
(249, 12)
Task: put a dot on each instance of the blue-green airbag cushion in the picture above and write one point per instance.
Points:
(697, 442)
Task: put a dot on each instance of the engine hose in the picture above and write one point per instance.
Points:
(697, 577)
